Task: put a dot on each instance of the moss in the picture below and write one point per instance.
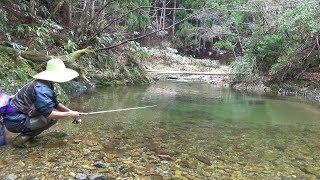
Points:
(14, 74)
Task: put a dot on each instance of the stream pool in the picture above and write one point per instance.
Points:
(195, 132)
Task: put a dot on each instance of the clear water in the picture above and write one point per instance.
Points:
(195, 132)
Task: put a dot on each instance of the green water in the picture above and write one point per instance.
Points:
(195, 132)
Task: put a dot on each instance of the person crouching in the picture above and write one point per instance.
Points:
(35, 105)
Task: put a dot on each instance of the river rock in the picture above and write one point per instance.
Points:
(165, 157)
(99, 164)
(72, 174)
(203, 160)
(86, 151)
(184, 163)
(77, 141)
(11, 177)
(22, 164)
(74, 88)
(152, 177)
(171, 50)
(81, 176)
(172, 76)
(98, 177)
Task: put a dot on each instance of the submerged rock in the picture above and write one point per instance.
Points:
(308, 169)
(203, 160)
(86, 151)
(184, 164)
(256, 102)
(165, 157)
(81, 176)
(99, 165)
(98, 177)
(152, 177)
(11, 177)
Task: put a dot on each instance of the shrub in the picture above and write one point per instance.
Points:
(242, 70)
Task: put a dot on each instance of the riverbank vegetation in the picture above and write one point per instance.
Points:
(272, 41)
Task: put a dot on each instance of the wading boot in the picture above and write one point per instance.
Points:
(23, 141)
(27, 139)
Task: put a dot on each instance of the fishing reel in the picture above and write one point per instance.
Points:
(77, 121)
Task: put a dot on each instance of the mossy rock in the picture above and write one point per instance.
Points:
(14, 74)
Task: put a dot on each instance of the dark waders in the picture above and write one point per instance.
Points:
(37, 125)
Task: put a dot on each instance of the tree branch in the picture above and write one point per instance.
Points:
(99, 12)
(22, 16)
(148, 34)
(115, 20)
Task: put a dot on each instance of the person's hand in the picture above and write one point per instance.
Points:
(74, 114)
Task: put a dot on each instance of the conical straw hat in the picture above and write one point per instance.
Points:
(56, 71)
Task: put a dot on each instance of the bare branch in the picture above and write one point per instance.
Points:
(99, 12)
(115, 20)
(148, 34)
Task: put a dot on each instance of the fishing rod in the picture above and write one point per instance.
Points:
(77, 121)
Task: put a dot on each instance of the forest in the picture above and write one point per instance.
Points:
(272, 41)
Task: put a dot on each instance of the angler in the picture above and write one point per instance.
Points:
(35, 108)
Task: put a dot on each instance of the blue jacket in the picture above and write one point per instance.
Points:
(36, 98)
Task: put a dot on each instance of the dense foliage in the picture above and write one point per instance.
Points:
(270, 38)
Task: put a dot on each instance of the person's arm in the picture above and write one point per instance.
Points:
(62, 108)
(46, 104)
(56, 115)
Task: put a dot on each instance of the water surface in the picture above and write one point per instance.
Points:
(195, 132)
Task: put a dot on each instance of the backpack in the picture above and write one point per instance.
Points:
(4, 101)
(2, 135)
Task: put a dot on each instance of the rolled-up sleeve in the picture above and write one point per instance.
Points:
(45, 100)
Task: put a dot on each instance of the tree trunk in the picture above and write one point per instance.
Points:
(239, 39)
(83, 14)
(174, 16)
(92, 9)
(156, 14)
(164, 15)
(161, 18)
(67, 14)
(32, 7)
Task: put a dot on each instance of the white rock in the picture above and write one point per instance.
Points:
(86, 151)
(11, 177)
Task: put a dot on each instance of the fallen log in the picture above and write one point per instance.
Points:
(32, 55)
(40, 57)
(188, 72)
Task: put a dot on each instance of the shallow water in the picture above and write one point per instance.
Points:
(195, 132)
